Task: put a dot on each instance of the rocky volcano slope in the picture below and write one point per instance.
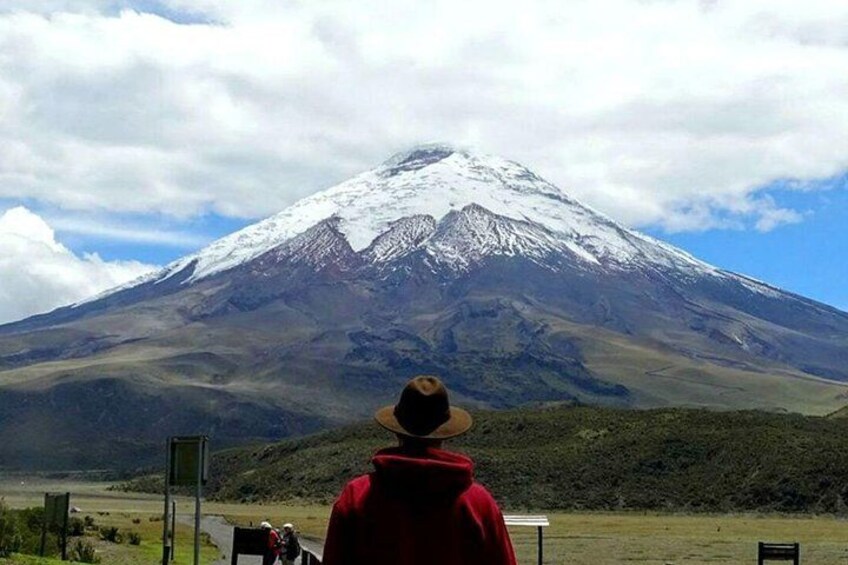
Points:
(440, 261)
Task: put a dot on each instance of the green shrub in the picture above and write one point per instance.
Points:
(134, 538)
(83, 551)
(28, 525)
(76, 527)
(111, 534)
(89, 522)
(10, 536)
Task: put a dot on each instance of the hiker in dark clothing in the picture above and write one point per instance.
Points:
(291, 545)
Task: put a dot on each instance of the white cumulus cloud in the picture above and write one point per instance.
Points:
(673, 113)
(40, 274)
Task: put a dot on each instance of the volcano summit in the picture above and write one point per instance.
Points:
(437, 261)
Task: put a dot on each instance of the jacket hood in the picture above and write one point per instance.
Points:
(423, 472)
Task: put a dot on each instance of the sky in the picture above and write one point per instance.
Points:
(135, 132)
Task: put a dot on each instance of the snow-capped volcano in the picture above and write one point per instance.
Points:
(506, 209)
(438, 261)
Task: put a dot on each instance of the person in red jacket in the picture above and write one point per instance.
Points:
(272, 548)
(421, 504)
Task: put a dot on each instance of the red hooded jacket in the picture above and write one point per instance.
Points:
(417, 507)
(273, 540)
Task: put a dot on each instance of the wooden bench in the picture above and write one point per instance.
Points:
(778, 552)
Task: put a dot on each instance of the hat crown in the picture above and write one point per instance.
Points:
(424, 411)
(423, 405)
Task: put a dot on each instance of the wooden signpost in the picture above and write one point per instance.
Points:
(187, 465)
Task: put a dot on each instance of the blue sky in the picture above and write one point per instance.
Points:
(188, 236)
(808, 257)
(133, 132)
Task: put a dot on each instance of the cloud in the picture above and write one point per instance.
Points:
(104, 228)
(40, 274)
(770, 219)
(674, 114)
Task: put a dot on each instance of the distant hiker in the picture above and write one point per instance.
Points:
(291, 545)
(272, 549)
(420, 505)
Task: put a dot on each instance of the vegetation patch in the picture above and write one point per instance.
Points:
(582, 458)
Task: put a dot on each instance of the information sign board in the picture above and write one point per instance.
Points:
(188, 465)
(56, 507)
(248, 541)
(186, 454)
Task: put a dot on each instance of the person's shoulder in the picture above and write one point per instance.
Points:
(479, 496)
(357, 484)
(478, 490)
(354, 491)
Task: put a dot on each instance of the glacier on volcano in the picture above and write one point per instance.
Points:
(458, 206)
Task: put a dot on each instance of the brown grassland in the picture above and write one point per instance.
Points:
(573, 537)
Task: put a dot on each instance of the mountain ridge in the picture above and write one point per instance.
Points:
(452, 169)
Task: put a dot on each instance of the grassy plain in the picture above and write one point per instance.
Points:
(139, 513)
(580, 538)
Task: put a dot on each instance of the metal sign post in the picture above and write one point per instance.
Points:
(201, 448)
(65, 527)
(44, 527)
(538, 522)
(167, 537)
(188, 465)
(173, 526)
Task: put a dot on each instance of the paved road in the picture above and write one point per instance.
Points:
(221, 533)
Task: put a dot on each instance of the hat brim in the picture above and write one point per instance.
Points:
(459, 422)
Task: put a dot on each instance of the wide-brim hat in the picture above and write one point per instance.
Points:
(424, 411)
